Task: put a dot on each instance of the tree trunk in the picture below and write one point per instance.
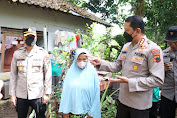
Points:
(139, 10)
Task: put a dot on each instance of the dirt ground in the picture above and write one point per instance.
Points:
(7, 110)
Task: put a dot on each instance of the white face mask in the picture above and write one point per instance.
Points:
(81, 64)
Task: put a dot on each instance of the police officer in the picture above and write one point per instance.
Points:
(31, 78)
(142, 68)
(1, 85)
(169, 89)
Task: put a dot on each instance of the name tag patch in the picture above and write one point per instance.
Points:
(139, 54)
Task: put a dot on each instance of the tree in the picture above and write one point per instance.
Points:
(110, 10)
(159, 14)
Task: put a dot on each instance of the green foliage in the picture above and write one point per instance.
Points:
(109, 9)
(160, 14)
(108, 107)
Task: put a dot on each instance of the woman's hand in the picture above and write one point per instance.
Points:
(88, 116)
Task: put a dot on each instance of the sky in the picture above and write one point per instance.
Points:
(100, 29)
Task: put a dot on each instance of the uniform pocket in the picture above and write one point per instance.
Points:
(36, 67)
(136, 64)
(21, 66)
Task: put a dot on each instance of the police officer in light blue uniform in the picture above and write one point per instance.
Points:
(169, 88)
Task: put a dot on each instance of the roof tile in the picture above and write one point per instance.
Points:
(64, 6)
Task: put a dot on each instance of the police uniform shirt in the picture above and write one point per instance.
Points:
(143, 65)
(30, 73)
(169, 88)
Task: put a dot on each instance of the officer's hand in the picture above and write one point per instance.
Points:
(13, 100)
(168, 66)
(94, 60)
(121, 79)
(45, 98)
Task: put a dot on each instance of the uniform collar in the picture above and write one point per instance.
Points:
(141, 43)
(29, 53)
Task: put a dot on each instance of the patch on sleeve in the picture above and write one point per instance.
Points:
(47, 59)
(156, 54)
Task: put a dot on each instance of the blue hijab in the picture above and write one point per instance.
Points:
(81, 90)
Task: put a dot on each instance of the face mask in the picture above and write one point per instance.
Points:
(30, 41)
(81, 64)
(128, 37)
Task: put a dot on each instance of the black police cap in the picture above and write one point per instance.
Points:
(171, 34)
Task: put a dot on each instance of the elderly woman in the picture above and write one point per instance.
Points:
(81, 91)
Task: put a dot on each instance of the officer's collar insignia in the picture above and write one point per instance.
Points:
(141, 41)
(21, 56)
(126, 48)
(156, 54)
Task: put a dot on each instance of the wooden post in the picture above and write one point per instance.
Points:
(3, 51)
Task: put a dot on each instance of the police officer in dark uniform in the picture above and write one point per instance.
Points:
(169, 88)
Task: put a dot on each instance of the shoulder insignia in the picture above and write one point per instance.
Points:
(156, 54)
(141, 41)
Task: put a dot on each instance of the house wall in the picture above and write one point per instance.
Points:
(21, 16)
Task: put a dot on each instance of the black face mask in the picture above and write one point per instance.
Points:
(128, 37)
(30, 41)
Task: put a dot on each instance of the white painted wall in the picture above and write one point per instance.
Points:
(22, 16)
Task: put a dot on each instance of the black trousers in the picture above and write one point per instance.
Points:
(124, 111)
(167, 108)
(153, 110)
(36, 104)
